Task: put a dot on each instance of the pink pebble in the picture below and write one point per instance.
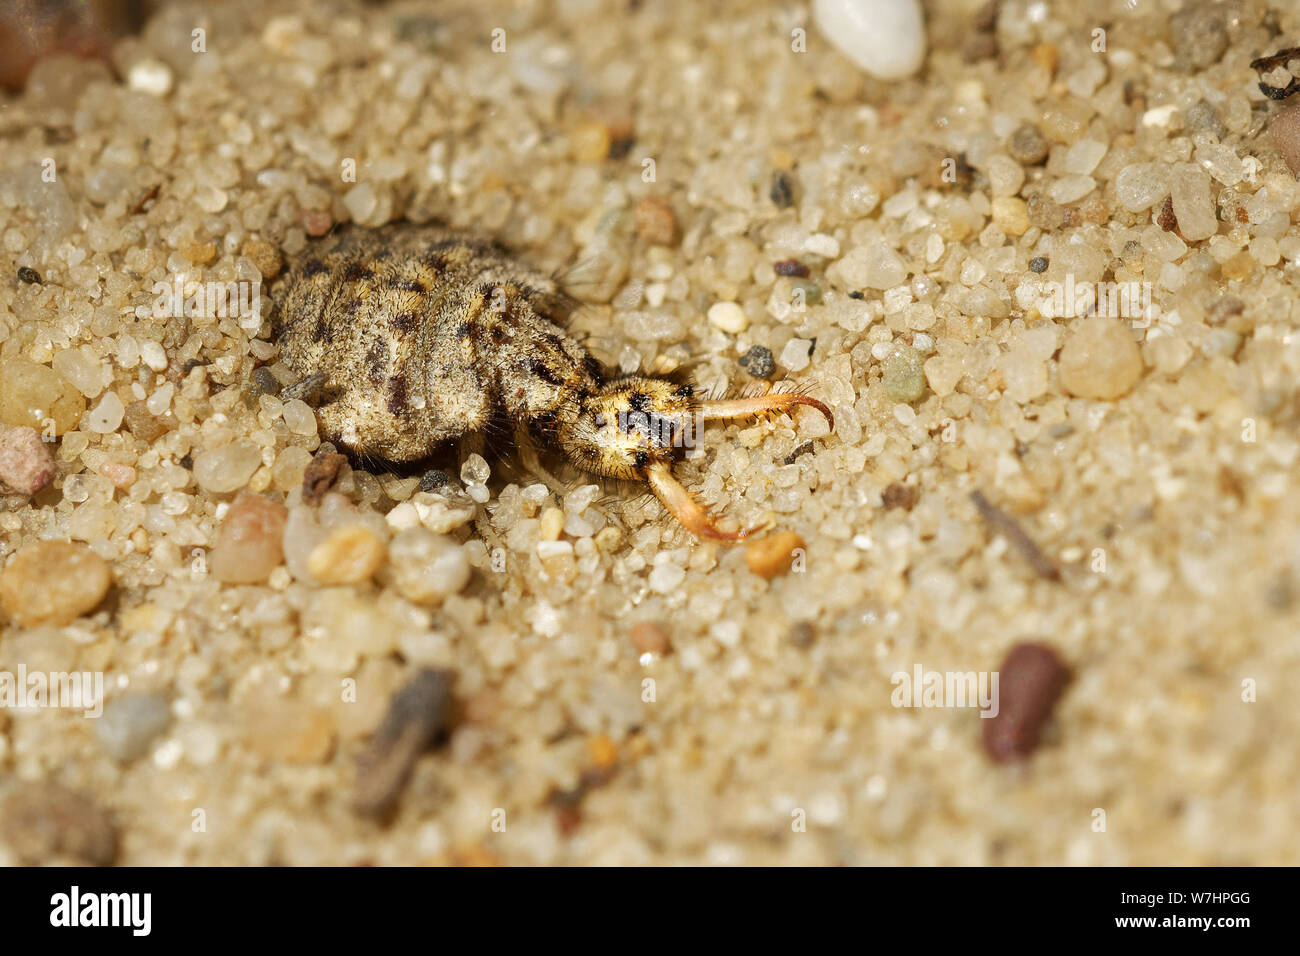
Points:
(26, 463)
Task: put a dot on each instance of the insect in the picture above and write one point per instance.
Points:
(415, 336)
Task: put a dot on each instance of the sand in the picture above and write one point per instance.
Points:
(624, 694)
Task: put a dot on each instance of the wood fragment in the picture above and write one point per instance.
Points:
(416, 716)
(1002, 523)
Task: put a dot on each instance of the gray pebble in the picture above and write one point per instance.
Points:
(265, 382)
(1203, 118)
(130, 723)
(1200, 35)
(1027, 145)
(758, 361)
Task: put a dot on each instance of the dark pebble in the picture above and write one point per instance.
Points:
(899, 495)
(781, 191)
(433, 479)
(29, 275)
(791, 267)
(417, 716)
(1167, 220)
(1029, 682)
(1027, 145)
(1038, 264)
(620, 147)
(265, 382)
(758, 361)
(322, 471)
(802, 634)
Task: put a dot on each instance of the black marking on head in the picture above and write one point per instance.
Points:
(545, 422)
(639, 402)
(684, 392)
(642, 459)
(313, 267)
(405, 284)
(398, 395)
(319, 330)
(543, 371)
(498, 333)
(358, 272)
(463, 330)
(405, 321)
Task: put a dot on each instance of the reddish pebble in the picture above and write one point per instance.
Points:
(316, 222)
(122, 476)
(1029, 682)
(250, 543)
(26, 464)
(649, 637)
(1284, 129)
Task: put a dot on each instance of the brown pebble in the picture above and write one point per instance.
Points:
(1029, 682)
(649, 637)
(144, 424)
(416, 716)
(250, 541)
(321, 473)
(289, 732)
(655, 222)
(53, 582)
(802, 634)
(42, 821)
(265, 256)
(773, 554)
(26, 463)
(316, 222)
(200, 253)
(899, 495)
(1167, 220)
(1284, 130)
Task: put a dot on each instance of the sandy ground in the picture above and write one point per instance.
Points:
(622, 693)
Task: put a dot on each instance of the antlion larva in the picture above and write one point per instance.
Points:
(415, 335)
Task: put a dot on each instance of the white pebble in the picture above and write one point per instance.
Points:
(795, 356)
(105, 417)
(228, 468)
(821, 244)
(667, 578)
(150, 76)
(884, 37)
(299, 418)
(475, 470)
(153, 355)
(729, 317)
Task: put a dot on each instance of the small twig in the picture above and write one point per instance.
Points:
(145, 199)
(1009, 528)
